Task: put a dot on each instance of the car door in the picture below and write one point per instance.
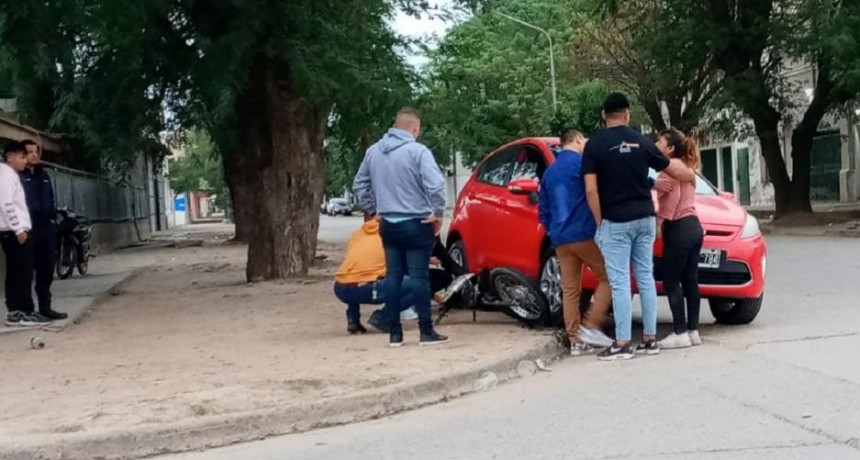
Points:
(521, 231)
(487, 210)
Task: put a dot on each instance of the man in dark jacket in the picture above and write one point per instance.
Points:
(43, 214)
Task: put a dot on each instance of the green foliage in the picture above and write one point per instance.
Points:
(199, 169)
(489, 80)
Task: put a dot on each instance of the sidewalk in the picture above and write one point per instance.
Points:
(186, 355)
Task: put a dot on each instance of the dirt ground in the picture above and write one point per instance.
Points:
(188, 339)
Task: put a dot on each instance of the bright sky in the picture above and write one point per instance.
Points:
(425, 26)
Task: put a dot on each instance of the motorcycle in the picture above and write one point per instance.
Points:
(500, 289)
(74, 233)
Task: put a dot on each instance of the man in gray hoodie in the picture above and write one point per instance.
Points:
(400, 183)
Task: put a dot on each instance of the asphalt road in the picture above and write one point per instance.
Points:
(785, 387)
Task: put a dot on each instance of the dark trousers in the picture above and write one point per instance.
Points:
(408, 245)
(19, 273)
(44, 241)
(354, 296)
(682, 241)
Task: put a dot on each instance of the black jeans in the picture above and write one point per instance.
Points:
(19, 273)
(43, 238)
(682, 241)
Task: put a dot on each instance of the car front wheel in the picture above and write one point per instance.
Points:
(550, 287)
(735, 311)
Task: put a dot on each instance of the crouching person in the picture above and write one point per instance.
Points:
(360, 280)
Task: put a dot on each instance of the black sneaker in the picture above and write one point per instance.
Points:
(39, 318)
(377, 322)
(395, 339)
(53, 314)
(651, 347)
(20, 319)
(355, 328)
(432, 338)
(616, 353)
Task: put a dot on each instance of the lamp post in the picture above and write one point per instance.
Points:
(551, 54)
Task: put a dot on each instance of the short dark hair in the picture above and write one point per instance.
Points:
(13, 147)
(569, 135)
(615, 103)
(27, 142)
(410, 111)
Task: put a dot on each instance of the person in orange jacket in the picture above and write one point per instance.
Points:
(361, 279)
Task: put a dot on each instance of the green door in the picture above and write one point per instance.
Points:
(728, 170)
(744, 176)
(709, 166)
(825, 164)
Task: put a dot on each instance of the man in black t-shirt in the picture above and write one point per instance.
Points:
(615, 170)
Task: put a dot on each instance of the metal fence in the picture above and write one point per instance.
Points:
(98, 198)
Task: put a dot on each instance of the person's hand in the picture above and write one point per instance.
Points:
(436, 222)
(22, 237)
(435, 261)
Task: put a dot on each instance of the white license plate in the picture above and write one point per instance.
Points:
(710, 258)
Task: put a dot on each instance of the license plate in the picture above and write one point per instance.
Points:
(710, 258)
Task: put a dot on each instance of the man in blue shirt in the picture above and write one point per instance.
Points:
(565, 215)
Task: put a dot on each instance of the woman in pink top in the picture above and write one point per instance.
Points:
(682, 240)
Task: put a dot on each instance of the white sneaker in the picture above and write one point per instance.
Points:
(594, 337)
(409, 314)
(580, 348)
(694, 338)
(674, 340)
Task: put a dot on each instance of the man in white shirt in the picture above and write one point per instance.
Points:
(14, 235)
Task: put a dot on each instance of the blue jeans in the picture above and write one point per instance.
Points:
(623, 243)
(408, 245)
(370, 294)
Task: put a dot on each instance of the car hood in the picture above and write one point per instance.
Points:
(717, 210)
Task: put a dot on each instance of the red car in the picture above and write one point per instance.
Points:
(496, 224)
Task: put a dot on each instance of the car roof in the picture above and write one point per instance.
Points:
(548, 141)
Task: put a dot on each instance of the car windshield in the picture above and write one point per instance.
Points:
(339, 201)
(703, 186)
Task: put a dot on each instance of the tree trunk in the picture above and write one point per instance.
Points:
(239, 177)
(281, 148)
(767, 130)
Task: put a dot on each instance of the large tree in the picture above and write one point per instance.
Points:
(488, 81)
(751, 44)
(627, 46)
(266, 78)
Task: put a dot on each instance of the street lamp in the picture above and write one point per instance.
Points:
(551, 57)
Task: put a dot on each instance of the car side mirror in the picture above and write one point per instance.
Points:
(523, 186)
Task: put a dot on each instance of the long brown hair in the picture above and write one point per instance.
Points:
(685, 147)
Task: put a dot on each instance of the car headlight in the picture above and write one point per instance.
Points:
(750, 227)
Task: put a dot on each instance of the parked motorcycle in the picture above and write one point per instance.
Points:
(501, 289)
(74, 233)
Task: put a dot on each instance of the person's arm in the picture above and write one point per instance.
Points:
(434, 182)
(663, 184)
(680, 171)
(362, 187)
(544, 212)
(592, 195)
(434, 185)
(7, 206)
(588, 171)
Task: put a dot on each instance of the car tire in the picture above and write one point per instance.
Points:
(522, 299)
(550, 287)
(457, 251)
(735, 311)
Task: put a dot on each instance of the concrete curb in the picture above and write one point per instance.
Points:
(222, 430)
(809, 231)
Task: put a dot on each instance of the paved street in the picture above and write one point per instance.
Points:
(785, 387)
